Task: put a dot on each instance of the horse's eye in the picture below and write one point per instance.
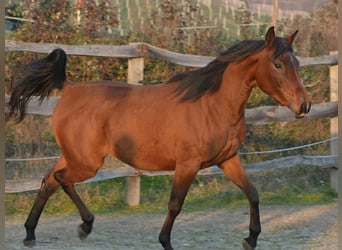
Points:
(277, 65)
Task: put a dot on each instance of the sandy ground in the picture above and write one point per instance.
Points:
(283, 227)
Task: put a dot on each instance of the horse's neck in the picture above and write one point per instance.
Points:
(237, 84)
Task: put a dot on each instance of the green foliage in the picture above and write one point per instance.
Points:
(172, 21)
(299, 185)
(317, 33)
(284, 135)
(58, 22)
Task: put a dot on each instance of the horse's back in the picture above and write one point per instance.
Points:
(112, 118)
(82, 101)
(144, 126)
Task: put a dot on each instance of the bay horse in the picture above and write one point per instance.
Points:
(192, 121)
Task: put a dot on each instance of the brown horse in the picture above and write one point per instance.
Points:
(193, 121)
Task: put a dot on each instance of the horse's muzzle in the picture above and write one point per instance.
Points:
(304, 109)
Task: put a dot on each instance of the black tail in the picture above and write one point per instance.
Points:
(38, 78)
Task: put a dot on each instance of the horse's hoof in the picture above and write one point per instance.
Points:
(168, 248)
(246, 245)
(81, 233)
(29, 243)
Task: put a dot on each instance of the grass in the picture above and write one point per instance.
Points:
(299, 185)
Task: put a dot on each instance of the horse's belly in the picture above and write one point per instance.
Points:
(149, 163)
(144, 155)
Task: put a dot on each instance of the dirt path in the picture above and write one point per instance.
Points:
(284, 227)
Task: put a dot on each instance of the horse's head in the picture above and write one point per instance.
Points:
(277, 74)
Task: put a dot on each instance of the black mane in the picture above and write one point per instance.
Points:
(196, 83)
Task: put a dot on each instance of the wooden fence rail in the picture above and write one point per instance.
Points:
(141, 50)
(261, 115)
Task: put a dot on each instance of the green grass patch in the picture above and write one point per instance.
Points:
(300, 185)
(292, 197)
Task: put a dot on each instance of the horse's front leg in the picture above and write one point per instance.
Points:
(183, 178)
(233, 169)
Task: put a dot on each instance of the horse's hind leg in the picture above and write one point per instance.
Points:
(233, 169)
(87, 217)
(48, 187)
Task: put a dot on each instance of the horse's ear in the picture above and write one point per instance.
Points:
(270, 37)
(291, 38)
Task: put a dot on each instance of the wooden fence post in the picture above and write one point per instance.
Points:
(135, 74)
(334, 122)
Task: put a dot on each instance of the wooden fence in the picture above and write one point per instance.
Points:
(135, 53)
(136, 50)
